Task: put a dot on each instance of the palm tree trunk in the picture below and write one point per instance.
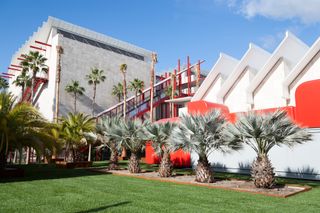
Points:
(27, 155)
(165, 169)
(113, 165)
(262, 172)
(124, 96)
(89, 152)
(203, 171)
(94, 98)
(75, 103)
(32, 86)
(134, 165)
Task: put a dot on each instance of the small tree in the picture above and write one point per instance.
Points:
(131, 135)
(117, 91)
(202, 134)
(123, 70)
(3, 83)
(23, 80)
(159, 134)
(136, 86)
(75, 89)
(262, 132)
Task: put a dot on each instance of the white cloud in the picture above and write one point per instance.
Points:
(306, 11)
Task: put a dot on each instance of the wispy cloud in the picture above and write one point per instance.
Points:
(305, 11)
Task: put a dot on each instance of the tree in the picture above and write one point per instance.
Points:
(16, 131)
(117, 91)
(123, 70)
(74, 127)
(131, 135)
(23, 80)
(262, 132)
(136, 86)
(75, 89)
(159, 134)
(202, 134)
(154, 60)
(35, 63)
(94, 78)
(3, 83)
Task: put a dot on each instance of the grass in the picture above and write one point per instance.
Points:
(47, 189)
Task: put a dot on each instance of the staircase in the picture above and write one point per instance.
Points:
(38, 85)
(140, 105)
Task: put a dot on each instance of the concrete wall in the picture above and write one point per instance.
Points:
(77, 60)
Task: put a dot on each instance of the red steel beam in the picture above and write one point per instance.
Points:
(37, 48)
(12, 65)
(45, 44)
(15, 69)
(23, 55)
(5, 76)
(180, 82)
(5, 73)
(189, 76)
(21, 59)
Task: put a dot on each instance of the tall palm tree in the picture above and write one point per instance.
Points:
(94, 78)
(154, 60)
(131, 135)
(117, 91)
(75, 89)
(35, 62)
(159, 134)
(3, 83)
(262, 132)
(74, 127)
(16, 131)
(23, 80)
(123, 70)
(202, 134)
(136, 86)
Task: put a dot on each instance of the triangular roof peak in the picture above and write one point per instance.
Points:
(291, 49)
(224, 65)
(254, 58)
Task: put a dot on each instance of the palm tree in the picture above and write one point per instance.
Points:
(202, 134)
(123, 70)
(117, 91)
(16, 131)
(262, 132)
(74, 127)
(3, 83)
(136, 86)
(95, 77)
(35, 62)
(159, 134)
(75, 89)
(154, 60)
(131, 135)
(23, 80)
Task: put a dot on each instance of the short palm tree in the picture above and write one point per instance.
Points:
(262, 132)
(136, 86)
(123, 70)
(159, 134)
(3, 83)
(74, 127)
(117, 91)
(35, 62)
(202, 134)
(131, 135)
(75, 89)
(16, 131)
(23, 80)
(94, 78)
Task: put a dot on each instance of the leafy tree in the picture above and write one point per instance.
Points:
(23, 80)
(202, 134)
(75, 89)
(131, 135)
(262, 132)
(94, 78)
(74, 127)
(117, 91)
(3, 83)
(159, 134)
(35, 63)
(136, 86)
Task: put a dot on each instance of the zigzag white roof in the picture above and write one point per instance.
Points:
(223, 66)
(43, 32)
(291, 49)
(254, 58)
(303, 63)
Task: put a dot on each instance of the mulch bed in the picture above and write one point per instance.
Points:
(282, 191)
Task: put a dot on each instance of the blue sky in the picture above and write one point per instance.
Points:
(173, 28)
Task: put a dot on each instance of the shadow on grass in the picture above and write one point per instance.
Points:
(104, 207)
(45, 172)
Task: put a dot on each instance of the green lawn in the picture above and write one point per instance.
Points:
(47, 189)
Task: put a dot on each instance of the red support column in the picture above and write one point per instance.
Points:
(189, 76)
(174, 92)
(180, 83)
